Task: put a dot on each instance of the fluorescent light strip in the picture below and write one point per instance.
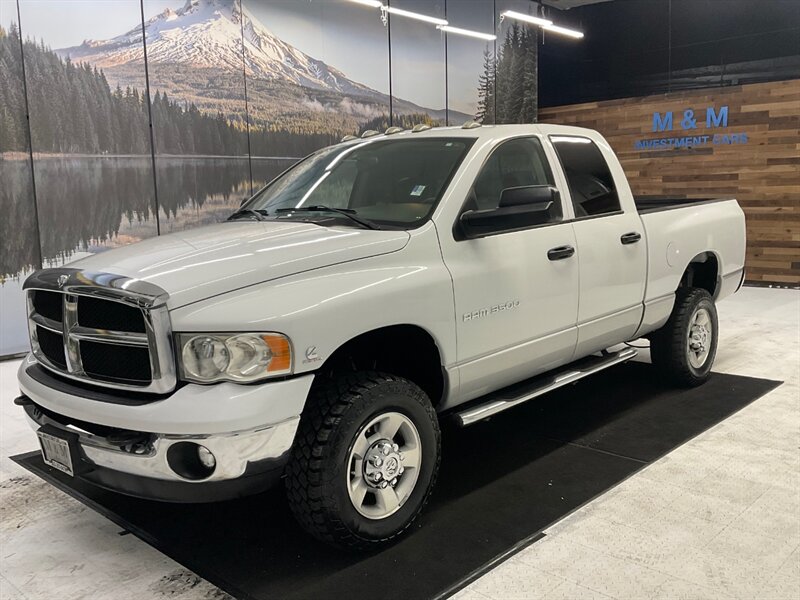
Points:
(574, 33)
(442, 24)
(469, 33)
(370, 3)
(412, 15)
(512, 14)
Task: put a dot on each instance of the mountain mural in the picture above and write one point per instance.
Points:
(197, 54)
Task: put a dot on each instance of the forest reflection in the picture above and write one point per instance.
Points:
(90, 204)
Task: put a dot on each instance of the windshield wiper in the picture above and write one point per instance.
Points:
(249, 212)
(346, 212)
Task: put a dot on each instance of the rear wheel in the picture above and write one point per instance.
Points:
(364, 460)
(683, 350)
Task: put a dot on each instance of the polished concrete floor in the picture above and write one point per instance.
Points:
(717, 518)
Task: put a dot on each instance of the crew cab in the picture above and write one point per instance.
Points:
(375, 288)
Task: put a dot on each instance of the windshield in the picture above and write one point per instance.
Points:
(395, 183)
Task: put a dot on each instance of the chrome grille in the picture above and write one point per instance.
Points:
(103, 329)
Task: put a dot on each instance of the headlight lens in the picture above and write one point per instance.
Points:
(240, 357)
(205, 357)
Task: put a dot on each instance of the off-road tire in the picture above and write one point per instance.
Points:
(316, 475)
(668, 345)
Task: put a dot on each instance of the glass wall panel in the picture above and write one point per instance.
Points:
(470, 62)
(19, 242)
(84, 65)
(356, 42)
(287, 83)
(316, 71)
(517, 65)
(197, 91)
(418, 65)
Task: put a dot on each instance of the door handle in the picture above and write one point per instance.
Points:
(630, 238)
(560, 253)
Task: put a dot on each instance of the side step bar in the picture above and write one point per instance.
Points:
(527, 390)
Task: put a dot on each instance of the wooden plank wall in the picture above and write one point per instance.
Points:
(763, 174)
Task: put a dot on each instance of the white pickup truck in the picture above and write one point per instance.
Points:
(373, 289)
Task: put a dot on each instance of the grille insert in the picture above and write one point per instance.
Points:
(48, 304)
(110, 362)
(52, 346)
(109, 315)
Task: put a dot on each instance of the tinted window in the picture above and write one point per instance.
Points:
(516, 163)
(590, 183)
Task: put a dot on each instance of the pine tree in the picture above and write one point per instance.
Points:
(506, 68)
(529, 77)
(516, 77)
(486, 89)
(516, 87)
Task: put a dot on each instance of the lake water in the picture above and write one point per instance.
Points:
(92, 204)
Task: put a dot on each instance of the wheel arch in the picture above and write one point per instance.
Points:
(703, 271)
(405, 350)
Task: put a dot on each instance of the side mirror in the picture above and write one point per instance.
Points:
(528, 194)
(519, 208)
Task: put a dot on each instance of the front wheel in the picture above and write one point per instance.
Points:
(364, 460)
(683, 350)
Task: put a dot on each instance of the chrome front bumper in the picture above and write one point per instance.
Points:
(132, 448)
(139, 464)
(147, 456)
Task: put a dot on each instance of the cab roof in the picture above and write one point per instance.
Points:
(484, 132)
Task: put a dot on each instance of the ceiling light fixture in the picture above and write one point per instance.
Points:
(412, 15)
(512, 14)
(370, 3)
(476, 34)
(574, 33)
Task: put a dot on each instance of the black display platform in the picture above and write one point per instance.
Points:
(501, 483)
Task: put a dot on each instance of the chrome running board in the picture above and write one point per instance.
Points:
(527, 390)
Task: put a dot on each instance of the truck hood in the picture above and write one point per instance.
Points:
(199, 263)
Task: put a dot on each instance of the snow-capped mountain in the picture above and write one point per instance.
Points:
(208, 34)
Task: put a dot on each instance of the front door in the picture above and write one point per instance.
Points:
(516, 302)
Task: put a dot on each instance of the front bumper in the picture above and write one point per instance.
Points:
(127, 448)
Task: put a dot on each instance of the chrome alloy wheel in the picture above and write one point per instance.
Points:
(698, 344)
(384, 465)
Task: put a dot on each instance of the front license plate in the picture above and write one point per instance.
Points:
(56, 453)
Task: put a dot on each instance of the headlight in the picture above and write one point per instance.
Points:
(241, 357)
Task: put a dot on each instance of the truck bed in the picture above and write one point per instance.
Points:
(680, 229)
(649, 204)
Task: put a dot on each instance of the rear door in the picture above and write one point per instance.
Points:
(516, 308)
(612, 252)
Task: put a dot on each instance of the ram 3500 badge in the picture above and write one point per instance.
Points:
(485, 312)
(376, 287)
